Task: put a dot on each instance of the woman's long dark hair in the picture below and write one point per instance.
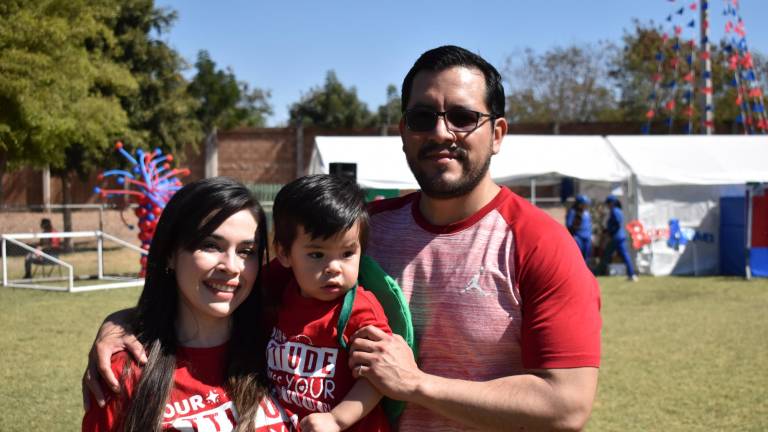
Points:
(192, 214)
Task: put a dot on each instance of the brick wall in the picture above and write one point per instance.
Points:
(258, 155)
(24, 187)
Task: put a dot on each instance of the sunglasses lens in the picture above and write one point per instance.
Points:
(462, 120)
(420, 120)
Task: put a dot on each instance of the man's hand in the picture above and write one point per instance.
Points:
(551, 399)
(112, 337)
(386, 361)
(319, 422)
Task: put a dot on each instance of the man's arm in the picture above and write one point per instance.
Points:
(113, 336)
(553, 399)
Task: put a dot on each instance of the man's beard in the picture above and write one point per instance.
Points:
(435, 186)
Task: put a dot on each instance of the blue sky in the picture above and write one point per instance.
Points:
(288, 46)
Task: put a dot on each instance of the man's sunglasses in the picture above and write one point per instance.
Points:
(456, 119)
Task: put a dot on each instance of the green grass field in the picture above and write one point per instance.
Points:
(679, 354)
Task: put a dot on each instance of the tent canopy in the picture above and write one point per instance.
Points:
(381, 162)
(665, 160)
(585, 157)
(656, 160)
(667, 177)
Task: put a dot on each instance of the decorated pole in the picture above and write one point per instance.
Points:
(749, 94)
(683, 79)
(706, 66)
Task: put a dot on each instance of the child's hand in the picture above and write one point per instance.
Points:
(319, 422)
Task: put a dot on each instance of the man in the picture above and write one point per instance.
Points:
(506, 313)
(617, 241)
(578, 220)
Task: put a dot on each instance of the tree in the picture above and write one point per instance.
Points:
(223, 101)
(50, 81)
(331, 106)
(253, 108)
(650, 72)
(161, 113)
(633, 68)
(564, 84)
(389, 113)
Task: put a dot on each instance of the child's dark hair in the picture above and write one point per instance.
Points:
(323, 204)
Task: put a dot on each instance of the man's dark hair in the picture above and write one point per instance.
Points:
(448, 56)
(323, 204)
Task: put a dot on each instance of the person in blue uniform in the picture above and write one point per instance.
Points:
(579, 224)
(618, 238)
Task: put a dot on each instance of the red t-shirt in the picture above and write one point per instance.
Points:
(55, 241)
(198, 401)
(52, 242)
(502, 292)
(307, 367)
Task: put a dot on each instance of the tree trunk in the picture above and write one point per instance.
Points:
(66, 192)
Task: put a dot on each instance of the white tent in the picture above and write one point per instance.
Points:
(664, 160)
(538, 160)
(666, 177)
(585, 157)
(381, 162)
(683, 178)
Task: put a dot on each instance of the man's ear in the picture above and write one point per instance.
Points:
(283, 255)
(500, 128)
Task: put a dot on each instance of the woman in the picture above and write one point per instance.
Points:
(197, 319)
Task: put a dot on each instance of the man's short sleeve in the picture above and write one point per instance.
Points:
(560, 297)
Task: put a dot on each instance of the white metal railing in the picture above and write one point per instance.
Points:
(99, 235)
